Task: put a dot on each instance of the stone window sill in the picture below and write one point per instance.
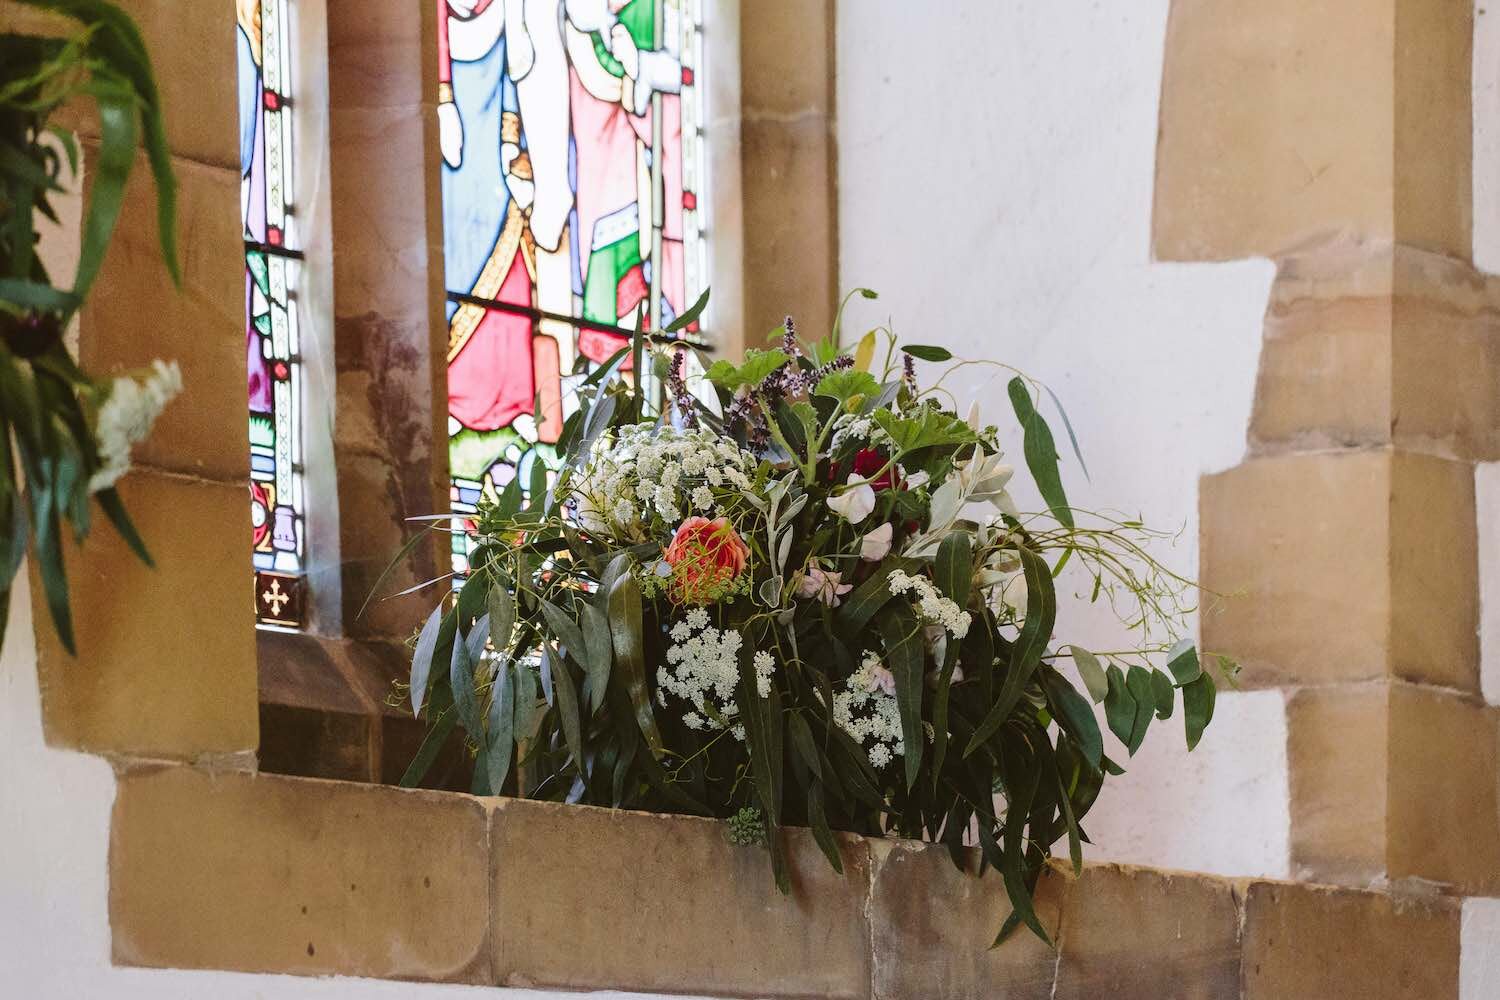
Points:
(276, 874)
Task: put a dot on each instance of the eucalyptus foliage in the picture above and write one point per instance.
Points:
(874, 557)
(48, 405)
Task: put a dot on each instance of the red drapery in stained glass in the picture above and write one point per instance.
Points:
(573, 186)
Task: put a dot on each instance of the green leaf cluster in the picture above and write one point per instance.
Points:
(549, 656)
(47, 447)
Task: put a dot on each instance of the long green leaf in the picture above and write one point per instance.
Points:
(628, 640)
(461, 679)
(600, 655)
(1026, 652)
(432, 745)
(866, 599)
(1074, 714)
(502, 612)
(114, 509)
(500, 737)
(566, 629)
(953, 569)
(803, 743)
(421, 661)
(690, 315)
(902, 635)
(567, 703)
(116, 158)
(820, 829)
(1041, 452)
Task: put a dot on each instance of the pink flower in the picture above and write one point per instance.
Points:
(823, 585)
(882, 679)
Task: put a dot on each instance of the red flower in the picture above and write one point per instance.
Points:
(867, 462)
(705, 557)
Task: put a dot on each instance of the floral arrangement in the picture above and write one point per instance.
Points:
(65, 436)
(802, 594)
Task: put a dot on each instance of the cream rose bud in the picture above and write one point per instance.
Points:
(856, 502)
(876, 545)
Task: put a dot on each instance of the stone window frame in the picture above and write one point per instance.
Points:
(325, 692)
(170, 664)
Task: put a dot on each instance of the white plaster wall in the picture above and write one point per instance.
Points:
(54, 841)
(995, 168)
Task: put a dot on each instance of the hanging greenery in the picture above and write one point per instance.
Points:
(65, 436)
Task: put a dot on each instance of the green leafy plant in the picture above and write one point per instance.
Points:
(802, 594)
(61, 431)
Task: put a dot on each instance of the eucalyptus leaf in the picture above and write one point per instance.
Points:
(1166, 694)
(1091, 671)
(600, 656)
(1138, 681)
(501, 735)
(1074, 714)
(1119, 706)
(1198, 707)
(1182, 661)
(567, 703)
(502, 616)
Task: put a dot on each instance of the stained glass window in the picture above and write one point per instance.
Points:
(272, 342)
(573, 196)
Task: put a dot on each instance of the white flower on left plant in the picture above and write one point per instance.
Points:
(126, 417)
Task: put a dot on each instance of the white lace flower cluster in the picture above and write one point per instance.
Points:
(126, 417)
(935, 608)
(703, 670)
(871, 692)
(643, 469)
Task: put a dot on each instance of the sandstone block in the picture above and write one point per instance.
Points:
(932, 927)
(135, 314)
(787, 58)
(1369, 344)
(1139, 933)
(166, 656)
(1314, 943)
(1395, 781)
(1443, 820)
(591, 898)
(194, 59)
(262, 873)
(1284, 121)
(790, 215)
(1343, 566)
(1338, 747)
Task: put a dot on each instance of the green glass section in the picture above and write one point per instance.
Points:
(639, 18)
(607, 266)
(261, 432)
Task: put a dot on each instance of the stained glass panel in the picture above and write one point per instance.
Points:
(272, 341)
(573, 196)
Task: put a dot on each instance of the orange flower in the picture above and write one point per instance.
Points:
(706, 557)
